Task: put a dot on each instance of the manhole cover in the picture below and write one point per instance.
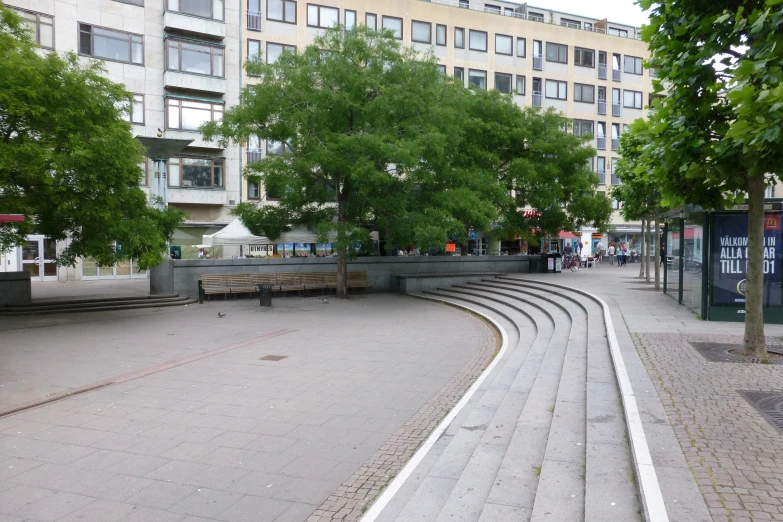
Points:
(720, 352)
(768, 404)
(273, 357)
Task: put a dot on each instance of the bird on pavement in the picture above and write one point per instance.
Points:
(325, 301)
(221, 316)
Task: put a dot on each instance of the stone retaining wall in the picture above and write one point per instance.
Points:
(15, 288)
(181, 276)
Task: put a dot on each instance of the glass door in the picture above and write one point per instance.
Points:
(38, 258)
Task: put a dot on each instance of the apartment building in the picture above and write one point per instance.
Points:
(588, 68)
(183, 59)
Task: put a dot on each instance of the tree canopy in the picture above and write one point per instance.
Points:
(68, 161)
(716, 136)
(371, 135)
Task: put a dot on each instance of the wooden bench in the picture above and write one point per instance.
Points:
(226, 284)
(290, 282)
(358, 280)
(213, 284)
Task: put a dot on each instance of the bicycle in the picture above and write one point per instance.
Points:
(573, 263)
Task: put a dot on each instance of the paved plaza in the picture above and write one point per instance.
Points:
(307, 411)
(202, 427)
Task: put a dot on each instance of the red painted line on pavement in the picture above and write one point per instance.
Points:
(125, 377)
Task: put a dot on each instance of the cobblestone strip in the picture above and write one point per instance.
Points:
(734, 454)
(351, 499)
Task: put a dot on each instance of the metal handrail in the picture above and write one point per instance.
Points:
(615, 109)
(601, 177)
(602, 107)
(537, 99)
(254, 20)
(482, 9)
(617, 75)
(600, 143)
(602, 71)
(538, 63)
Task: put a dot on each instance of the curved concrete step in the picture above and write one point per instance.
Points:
(96, 306)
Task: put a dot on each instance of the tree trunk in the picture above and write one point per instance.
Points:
(657, 253)
(342, 253)
(647, 253)
(641, 265)
(754, 343)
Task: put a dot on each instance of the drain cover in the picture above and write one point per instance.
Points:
(273, 357)
(719, 352)
(768, 404)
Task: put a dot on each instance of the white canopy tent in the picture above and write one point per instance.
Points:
(236, 233)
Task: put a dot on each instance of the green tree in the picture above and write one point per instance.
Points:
(68, 161)
(717, 134)
(640, 191)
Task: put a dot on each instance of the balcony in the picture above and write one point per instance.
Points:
(193, 196)
(602, 107)
(253, 21)
(601, 143)
(615, 109)
(537, 96)
(194, 24)
(254, 155)
(538, 63)
(615, 143)
(601, 177)
(194, 82)
(601, 72)
(617, 75)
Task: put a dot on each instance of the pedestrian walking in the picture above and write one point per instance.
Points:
(610, 252)
(663, 255)
(620, 255)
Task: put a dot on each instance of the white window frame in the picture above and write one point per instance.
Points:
(315, 16)
(478, 33)
(505, 42)
(560, 87)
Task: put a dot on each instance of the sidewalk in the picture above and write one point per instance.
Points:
(735, 455)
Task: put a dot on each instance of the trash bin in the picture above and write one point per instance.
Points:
(558, 262)
(553, 263)
(266, 295)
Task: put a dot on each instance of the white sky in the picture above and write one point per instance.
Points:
(619, 11)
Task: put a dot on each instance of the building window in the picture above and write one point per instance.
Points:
(189, 115)
(199, 173)
(194, 58)
(556, 90)
(615, 203)
(254, 15)
(584, 93)
(494, 9)
(253, 49)
(108, 44)
(281, 11)
(584, 57)
(212, 9)
(393, 24)
(276, 148)
(253, 190)
(503, 82)
(478, 40)
(504, 44)
(459, 37)
(134, 112)
(520, 85)
(633, 65)
(536, 17)
(477, 78)
(41, 25)
(459, 74)
(442, 69)
(275, 50)
(632, 99)
(614, 31)
(440, 34)
(421, 32)
(583, 127)
(556, 53)
(350, 19)
(573, 24)
(371, 21)
(521, 48)
(323, 17)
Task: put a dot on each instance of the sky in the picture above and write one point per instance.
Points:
(619, 11)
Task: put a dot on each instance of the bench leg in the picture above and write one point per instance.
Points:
(200, 293)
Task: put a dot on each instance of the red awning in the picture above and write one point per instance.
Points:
(568, 235)
(11, 218)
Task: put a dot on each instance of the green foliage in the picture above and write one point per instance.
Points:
(719, 64)
(68, 161)
(376, 137)
(640, 191)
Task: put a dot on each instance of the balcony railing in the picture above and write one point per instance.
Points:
(601, 177)
(465, 4)
(537, 99)
(615, 109)
(254, 20)
(617, 75)
(601, 143)
(254, 155)
(538, 63)
(199, 8)
(615, 143)
(601, 71)
(601, 106)
(615, 180)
